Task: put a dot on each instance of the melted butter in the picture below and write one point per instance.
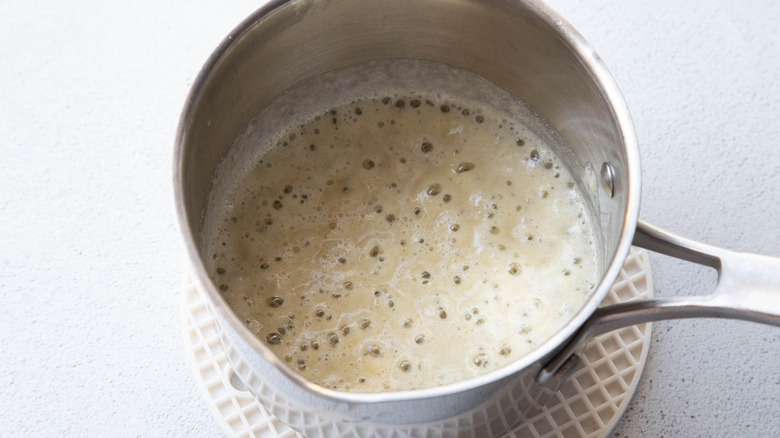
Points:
(403, 242)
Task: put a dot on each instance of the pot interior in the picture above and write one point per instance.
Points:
(518, 46)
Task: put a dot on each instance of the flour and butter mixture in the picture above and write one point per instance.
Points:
(404, 241)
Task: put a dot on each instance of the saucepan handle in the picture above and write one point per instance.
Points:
(748, 289)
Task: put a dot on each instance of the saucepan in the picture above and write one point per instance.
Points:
(528, 50)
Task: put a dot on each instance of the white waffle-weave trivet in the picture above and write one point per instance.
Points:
(588, 405)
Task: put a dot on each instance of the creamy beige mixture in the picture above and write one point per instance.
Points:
(403, 242)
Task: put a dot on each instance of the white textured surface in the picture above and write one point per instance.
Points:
(90, 94)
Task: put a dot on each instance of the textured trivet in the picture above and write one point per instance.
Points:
(588, 405)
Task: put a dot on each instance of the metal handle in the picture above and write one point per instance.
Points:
(748, 289)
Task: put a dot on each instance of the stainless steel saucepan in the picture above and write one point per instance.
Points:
(525, 48)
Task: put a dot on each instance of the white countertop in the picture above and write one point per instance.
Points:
(91, 264)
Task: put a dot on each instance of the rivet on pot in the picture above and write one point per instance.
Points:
(608, 179)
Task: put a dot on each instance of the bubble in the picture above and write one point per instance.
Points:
(288, 358)
(445, 108)
(456, 279)
(364, 324)
(390, 218)
(494, 229)
(223, 287)
(464, 167)
(419, 339)
(274, 302)
(254, 325)
(345, 330)
(454, 227)
(479, 118)
(426, 147)
(577, 260)
(408, 323)
(374, 251)
(505, 350)
(333, 338)
(320, 313)
(480, 360)
(358, 111)
(414, 103)
(417, 211)
(220, 271)
(373, 350)
(386, 100)
(274, 338)
(405, 366)
(288, 189)
(514, 269)
(399, 103)
(442, 313)
(368, 164)
(348, 285)
(519, 141)
(465, 112)
(434, 189)
(277, 204)
(534, 156)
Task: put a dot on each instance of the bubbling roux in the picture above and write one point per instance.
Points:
(402, 241)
